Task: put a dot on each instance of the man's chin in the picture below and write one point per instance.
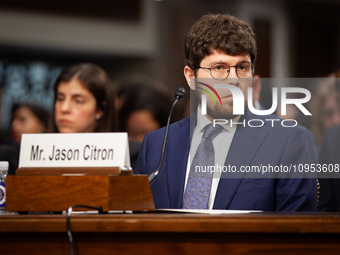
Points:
(220, 114)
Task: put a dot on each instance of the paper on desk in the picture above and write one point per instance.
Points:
(96, 212)
(208, 211)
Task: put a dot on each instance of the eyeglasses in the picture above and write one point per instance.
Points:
(244, 70)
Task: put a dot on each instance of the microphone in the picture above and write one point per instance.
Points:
(180, 93)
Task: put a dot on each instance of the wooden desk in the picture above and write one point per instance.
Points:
(172, 233)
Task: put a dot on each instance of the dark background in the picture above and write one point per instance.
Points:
(296, 38)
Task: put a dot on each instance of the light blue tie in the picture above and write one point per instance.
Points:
(197, 192)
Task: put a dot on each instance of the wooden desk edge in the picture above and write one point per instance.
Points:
(168, 222)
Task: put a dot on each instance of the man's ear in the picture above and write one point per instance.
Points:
(189, 74)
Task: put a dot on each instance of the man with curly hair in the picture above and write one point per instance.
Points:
(221, 49)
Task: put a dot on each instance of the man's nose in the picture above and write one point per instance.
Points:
(232, 77)
(232, 72)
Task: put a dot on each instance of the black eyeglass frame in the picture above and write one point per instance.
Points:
(220, 79)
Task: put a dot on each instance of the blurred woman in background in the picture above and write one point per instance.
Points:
(144, 106)
(28, 118)
(325, 109)
(83, 101)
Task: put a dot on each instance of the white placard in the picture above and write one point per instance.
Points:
(75, 150)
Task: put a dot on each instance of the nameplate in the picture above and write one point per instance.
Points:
(74, 150)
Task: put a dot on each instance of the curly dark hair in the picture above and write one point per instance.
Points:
(221, 32)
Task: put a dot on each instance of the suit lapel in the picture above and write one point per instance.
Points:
(177, 157)
(246, 142)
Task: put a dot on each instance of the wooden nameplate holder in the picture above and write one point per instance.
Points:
(55, 189)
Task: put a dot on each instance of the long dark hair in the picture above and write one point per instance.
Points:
(93, 78)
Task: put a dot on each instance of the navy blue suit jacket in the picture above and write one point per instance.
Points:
(250, 146)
